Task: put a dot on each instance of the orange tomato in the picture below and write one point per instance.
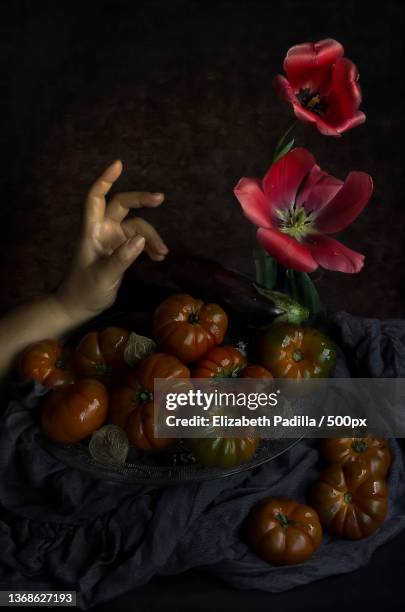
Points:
(44, 362)
(70, 414)
(292, 351)
(100, 355)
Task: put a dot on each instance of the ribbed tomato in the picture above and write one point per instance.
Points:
(283, 531)
(291, 351)
(44, 362)
(350, 500)
(70, 414)
(220, 362)
(188, 328)
(132, 406)
(373, 452)
(100, 355)
(223, 452)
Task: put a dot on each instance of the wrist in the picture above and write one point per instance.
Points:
(70, 314)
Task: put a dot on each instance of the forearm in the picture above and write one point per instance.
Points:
(45, 317)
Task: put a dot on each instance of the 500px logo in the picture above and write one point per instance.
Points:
(206, 400)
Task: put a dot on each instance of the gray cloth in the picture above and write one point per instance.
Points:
(59, 529)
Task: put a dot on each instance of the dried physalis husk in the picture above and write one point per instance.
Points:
(242, 347)
(137, 348)
(109, 445)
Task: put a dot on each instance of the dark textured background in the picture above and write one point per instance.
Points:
(181, 92)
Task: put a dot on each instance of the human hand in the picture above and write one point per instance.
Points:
(110, 242)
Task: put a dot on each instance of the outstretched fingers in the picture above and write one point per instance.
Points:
(95, 202)
(155, 247)
(121, 203)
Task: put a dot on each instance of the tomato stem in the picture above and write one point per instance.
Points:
(359, 446)
(282, 519)
(103, 368)
(193, 318)
(145, 396)
(297, 355)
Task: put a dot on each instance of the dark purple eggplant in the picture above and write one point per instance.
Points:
(208, 280)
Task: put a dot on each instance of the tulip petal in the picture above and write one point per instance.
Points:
(318, 189)
(283, 180)
(323, 126)
(286, 92)
(344, 97)
(333, 255)
(303, 60)
(284, 89)
(286, 250)
(347, 204)
(347, 123)
(251, 198)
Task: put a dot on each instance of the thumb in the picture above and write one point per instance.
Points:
(123, 256)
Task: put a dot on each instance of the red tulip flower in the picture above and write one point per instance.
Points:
(322, 87)
(296, 204)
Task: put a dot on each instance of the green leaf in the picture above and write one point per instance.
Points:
(279, 153)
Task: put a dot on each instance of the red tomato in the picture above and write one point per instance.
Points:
(188, 328)
(220, 362)
(132, 404)
(283, 531)
(351, 502)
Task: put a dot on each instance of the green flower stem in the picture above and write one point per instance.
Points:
(282, 139)
(291, 283)
(266, 268)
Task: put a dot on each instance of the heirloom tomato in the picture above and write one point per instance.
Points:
(132, 406)
(283, 531)
(223, 452)
(188, 328)
(100, 355)
(291, 351)
(140, 430)
(220, 362)
(72, 413)
(374, 452)
(44, 361)
(350, 500)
